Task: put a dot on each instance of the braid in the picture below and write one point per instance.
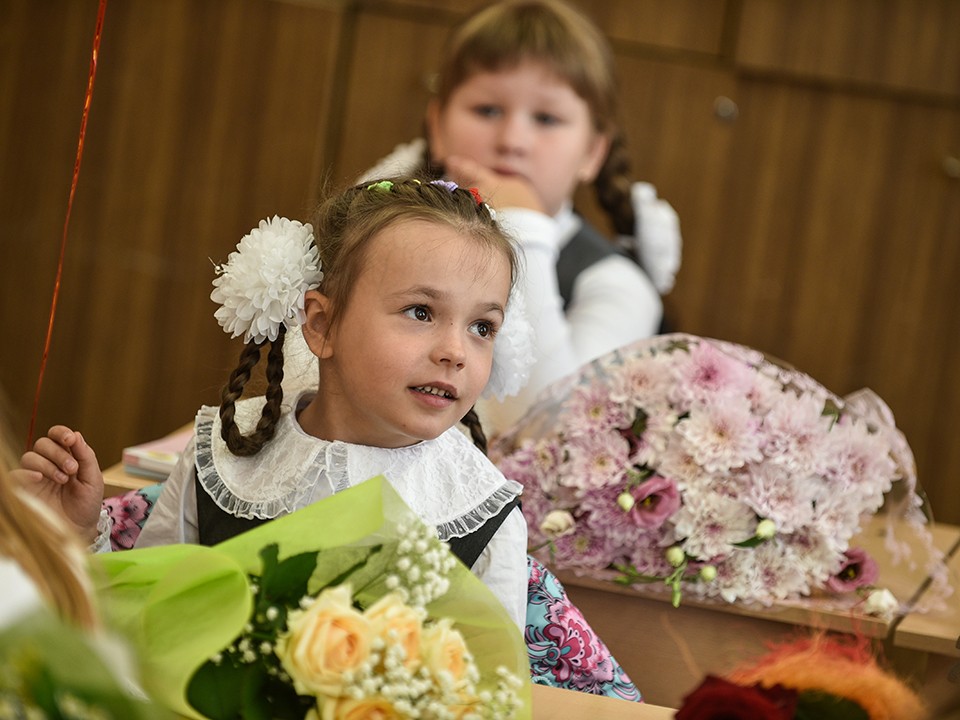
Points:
(237, 443)
(613, 186)
(472, 421)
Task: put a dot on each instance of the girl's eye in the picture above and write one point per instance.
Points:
(418, 312)
(486, 111)
(547, 119)
(484, 329)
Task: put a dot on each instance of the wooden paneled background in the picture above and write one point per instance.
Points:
(811, 149)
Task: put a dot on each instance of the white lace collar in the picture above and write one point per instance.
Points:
(447, 481)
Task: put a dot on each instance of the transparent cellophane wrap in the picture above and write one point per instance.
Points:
(729, 437)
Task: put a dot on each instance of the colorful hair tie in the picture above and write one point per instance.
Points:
(384, 185)
(476, 195)
(449, 185)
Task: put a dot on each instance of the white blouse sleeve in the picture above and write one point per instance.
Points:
(502, 566)
(173, 518)
(613, 304)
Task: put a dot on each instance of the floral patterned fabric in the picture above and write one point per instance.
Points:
(129, 512)
(564, 651)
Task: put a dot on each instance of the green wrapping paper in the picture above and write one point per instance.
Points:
(180, 605)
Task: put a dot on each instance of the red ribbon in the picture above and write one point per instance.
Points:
(73, 189)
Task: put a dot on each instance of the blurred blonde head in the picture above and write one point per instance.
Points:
(51, 556)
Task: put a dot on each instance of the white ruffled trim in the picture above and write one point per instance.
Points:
(447, 482)
(247, 500)
(104, 529)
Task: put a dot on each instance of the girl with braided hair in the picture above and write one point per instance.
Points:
(405, 298)
(526, 110)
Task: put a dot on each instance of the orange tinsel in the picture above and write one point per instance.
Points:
(845, 667)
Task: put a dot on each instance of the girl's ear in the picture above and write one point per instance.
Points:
(316, 326)
(434, 136)
(595, 157)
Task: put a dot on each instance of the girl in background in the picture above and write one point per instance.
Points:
(526, 110)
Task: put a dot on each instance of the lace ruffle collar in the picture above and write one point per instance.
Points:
(447, 481)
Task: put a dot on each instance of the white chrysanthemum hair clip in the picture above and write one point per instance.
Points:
(512, 350)
(262, 284)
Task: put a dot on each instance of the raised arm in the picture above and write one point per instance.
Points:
(62, 472)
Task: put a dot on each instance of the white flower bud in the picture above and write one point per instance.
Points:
(558, 523)
(675, 556)
(625, 501)
(766, 529)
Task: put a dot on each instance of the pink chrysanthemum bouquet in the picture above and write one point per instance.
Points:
(707, 466)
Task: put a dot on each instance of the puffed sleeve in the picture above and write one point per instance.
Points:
(174, 517)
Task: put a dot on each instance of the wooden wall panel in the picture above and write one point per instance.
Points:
(899, 44)
(386, 100)
(206, 117)
(677, 142)
(684, 25)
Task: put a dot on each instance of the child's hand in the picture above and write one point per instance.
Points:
(62, 472)
(500, 191)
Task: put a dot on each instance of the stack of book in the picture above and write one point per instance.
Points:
(156, 459)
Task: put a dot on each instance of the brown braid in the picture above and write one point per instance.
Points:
(613, 184)
(472, 421)
(237, 443)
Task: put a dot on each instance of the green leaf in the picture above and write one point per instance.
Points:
(817, 705)
(750, 542)
(638, 475)
(215, 691)
(287, 582)
(342, 577)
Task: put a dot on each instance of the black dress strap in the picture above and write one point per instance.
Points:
(585, 248)
(214, 523)
(468, 548)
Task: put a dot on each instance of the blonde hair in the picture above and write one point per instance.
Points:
(343, 226)
(507, 33)
(50, 555)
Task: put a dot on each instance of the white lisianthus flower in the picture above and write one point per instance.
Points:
(261, 285)
(558, 523)
(881, 602)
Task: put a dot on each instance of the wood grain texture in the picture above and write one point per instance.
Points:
(898, 44)
(206, 117)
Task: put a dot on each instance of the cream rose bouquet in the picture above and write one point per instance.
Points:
(708, 468)
(348, 609)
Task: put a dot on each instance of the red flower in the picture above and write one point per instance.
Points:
(719, 699)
